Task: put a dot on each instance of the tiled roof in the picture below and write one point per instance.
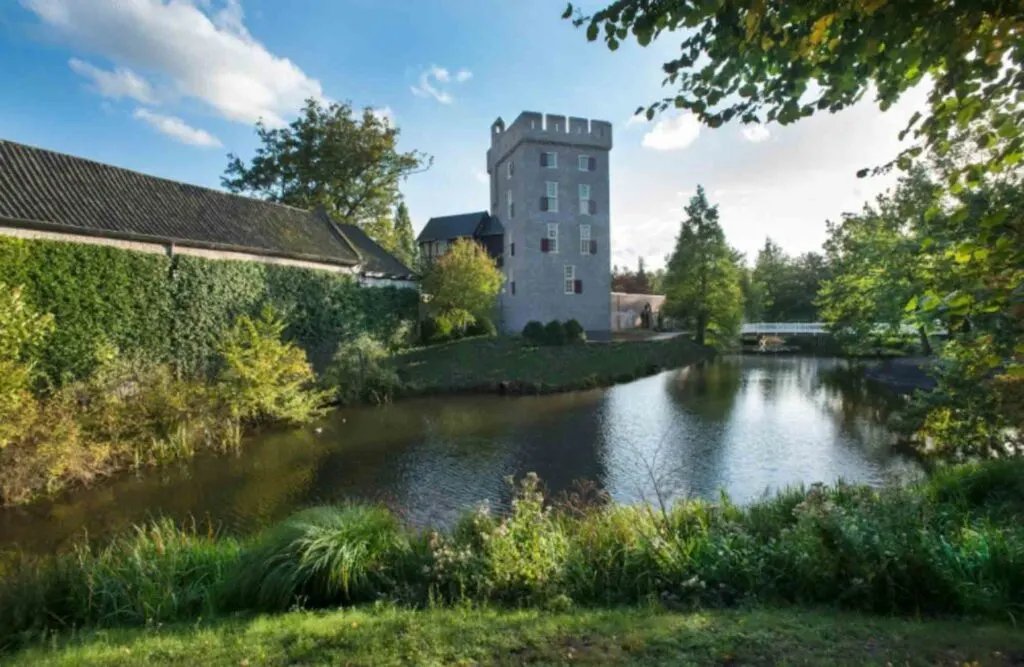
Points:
(376, 260)
(58, 192)
(490, 226)
(450, 227)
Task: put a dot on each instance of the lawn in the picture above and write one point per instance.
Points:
(472, 636)
(511, 365)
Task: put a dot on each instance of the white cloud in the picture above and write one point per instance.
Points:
(196, 50)
(636, 119)
(481, 177)
(122, 82)
(433, 81)
(755, 133)
(178, 129)
(673, 133)
(385, 115)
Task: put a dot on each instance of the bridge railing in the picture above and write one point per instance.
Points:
(784, 328)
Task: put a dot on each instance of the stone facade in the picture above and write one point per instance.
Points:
(540, 286)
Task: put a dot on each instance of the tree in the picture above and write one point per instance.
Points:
(783, 287)
(405, 239)
(329, 156)
(703, 277)
(758, 61)
(629, 282)
(463, 284)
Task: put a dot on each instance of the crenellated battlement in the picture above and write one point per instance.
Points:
(548, 128)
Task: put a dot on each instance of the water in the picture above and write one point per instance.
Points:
(745, 425)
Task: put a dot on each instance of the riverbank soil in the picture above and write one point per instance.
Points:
(586, 637)
(511, 365)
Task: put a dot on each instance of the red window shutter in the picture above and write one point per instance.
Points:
(593, 247)
(543, 203)
(591, 164)
(545, 245)
(591, 207)
(577, 286)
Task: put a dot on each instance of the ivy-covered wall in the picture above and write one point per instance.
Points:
(177, 309)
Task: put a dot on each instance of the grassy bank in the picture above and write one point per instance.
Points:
(953, 545)
(514, 366)
(648, 636)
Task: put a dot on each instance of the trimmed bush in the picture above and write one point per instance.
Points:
(554, 333)
(435, 330)
(534, 332)
(482, 326)
(574, 332)
(358, 372)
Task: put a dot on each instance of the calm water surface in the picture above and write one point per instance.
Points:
(745, 425)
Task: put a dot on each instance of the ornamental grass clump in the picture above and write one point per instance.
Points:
(323, 556)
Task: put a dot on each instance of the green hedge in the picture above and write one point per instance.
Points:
(177, 309)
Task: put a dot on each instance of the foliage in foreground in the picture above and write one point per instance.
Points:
(385, 635)
(951, 545)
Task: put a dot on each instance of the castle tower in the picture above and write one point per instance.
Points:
(549, 178)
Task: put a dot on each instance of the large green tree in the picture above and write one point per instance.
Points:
(762, 61)
(332, 156)
(463, 284)
(785, 287)
(405, 238)
(702, 282)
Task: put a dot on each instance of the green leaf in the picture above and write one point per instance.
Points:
(592, 31)
(911, 305)
(568, 11)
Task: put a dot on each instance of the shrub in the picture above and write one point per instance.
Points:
(21, 332)
(264, 378)
(534, 332)
(574, 332)
(358, 372)
(322, 556)
(554, 333)
(437, 329)
(482, 326)
(158, 573)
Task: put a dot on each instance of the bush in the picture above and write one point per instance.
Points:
(265, 378)
(482, 326)
(358, 372)
(534, 332)
(554, 333)
(574, 332)
(436, 330)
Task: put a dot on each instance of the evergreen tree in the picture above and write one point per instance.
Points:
(703, 276)
(405, 239)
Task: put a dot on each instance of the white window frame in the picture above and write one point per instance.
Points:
(551, 187)
(553, 237)
(585, 239)
(583, 163)
(510, 169)
(569, 279)
(552, 159)
(508, 203)
(584, 199)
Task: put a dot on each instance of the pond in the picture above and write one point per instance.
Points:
(745, 425)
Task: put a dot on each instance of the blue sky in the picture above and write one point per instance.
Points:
(169, 87)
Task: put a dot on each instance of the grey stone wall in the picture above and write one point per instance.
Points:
(539, 276)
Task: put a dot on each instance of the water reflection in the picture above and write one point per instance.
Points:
(742, 425)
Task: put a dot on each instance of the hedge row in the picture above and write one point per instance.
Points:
(176, 310)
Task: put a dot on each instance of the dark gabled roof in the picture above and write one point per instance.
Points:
(52, 191)
(490, 226)
(450, 227)
(376, 260)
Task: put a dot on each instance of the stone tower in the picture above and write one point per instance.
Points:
(550, 189)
